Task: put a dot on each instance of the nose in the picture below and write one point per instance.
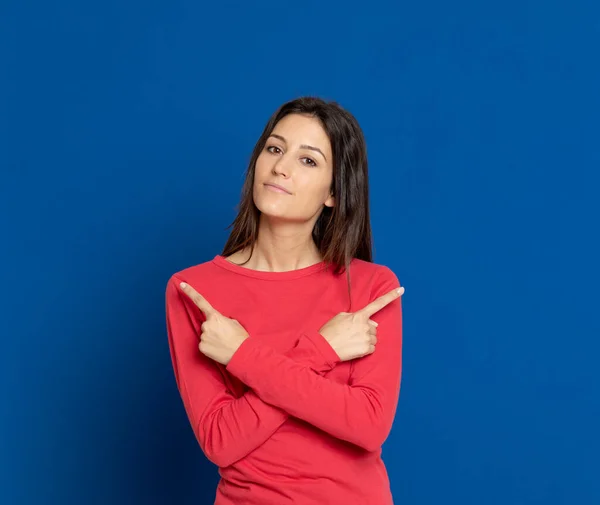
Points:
(280, 167)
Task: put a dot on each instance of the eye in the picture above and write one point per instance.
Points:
(273, 149)
(310, 162)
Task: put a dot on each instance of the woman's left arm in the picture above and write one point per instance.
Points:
(361, 412)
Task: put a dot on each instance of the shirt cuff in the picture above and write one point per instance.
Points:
(242, 358)
(324, 348)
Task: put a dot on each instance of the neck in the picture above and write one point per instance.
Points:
(283, 246)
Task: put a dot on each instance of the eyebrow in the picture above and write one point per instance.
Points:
(304, 146)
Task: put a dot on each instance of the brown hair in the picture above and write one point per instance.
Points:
(342, 232)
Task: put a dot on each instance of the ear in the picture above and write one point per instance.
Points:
(330, 202)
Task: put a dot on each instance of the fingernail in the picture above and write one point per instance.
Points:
(182, 284)
(400, 291)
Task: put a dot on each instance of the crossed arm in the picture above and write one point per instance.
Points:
(292, 383)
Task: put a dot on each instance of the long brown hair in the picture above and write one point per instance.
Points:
(342, 232)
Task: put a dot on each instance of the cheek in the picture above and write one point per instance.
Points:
(260, 170)
(261, 166)
(313, 194)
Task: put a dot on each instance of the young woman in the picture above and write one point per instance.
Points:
(287, 346)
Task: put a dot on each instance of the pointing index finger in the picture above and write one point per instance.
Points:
(379, 303)
(197, 298)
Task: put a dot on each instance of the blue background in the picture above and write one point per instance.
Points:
(125, 128)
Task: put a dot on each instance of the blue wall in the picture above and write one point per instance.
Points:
(125, 128)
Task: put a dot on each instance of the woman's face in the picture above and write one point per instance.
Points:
(297, 156)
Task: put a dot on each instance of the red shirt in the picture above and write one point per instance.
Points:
(286, 421)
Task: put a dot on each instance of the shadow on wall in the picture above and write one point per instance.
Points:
(133, 441)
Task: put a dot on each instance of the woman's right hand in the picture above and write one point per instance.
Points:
(354, 334)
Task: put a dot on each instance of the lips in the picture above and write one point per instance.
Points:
(278, 187)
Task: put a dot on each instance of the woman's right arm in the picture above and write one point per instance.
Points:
(227, 428)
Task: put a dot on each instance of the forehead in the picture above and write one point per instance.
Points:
(301, 129)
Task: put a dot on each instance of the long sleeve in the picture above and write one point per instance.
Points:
(227, 428)
(361, 412)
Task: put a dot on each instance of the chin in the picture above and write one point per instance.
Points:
(269, 204)
(271, 210)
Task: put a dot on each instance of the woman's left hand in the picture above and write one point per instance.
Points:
(221, 336)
